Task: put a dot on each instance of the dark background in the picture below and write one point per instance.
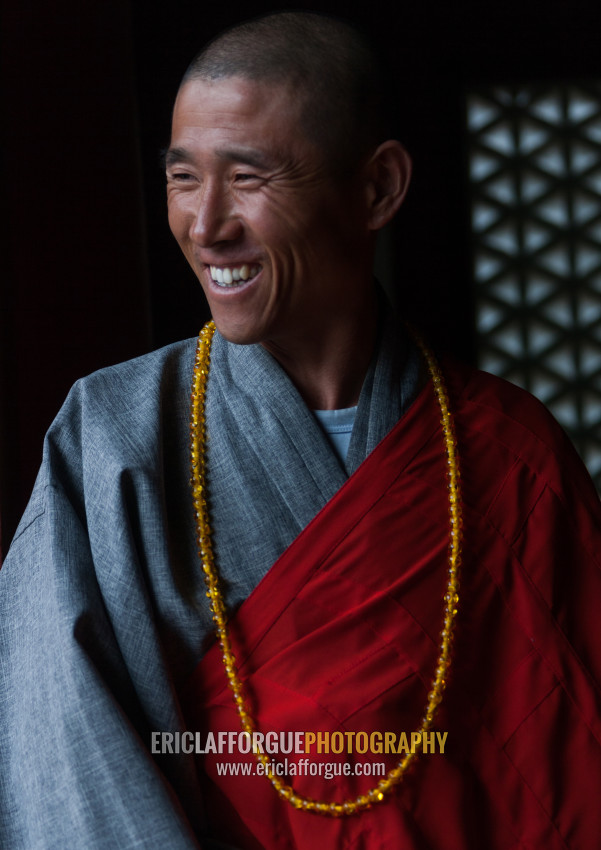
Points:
(90, 274)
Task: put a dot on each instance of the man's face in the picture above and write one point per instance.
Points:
(279, 245)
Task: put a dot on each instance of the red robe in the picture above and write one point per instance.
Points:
(342, 634)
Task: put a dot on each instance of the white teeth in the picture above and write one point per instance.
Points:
(230, 276)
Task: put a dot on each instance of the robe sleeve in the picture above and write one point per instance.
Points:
(76, 769)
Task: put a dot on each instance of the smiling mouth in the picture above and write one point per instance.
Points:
(233, 275)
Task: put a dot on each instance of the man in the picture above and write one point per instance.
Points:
(328, 514)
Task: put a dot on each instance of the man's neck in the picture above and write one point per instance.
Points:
(328, 368)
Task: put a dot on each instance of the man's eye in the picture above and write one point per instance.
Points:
(180, 176)
(243, 177)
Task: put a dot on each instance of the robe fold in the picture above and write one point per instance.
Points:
(104, 623)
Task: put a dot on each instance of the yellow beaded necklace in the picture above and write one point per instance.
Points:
(205, 551)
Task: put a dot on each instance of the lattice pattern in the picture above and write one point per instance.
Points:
(535, 171)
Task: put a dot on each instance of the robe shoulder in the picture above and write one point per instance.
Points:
(125, 401)
(512, 437)
(114, 419)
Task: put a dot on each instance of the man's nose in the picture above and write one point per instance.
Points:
(216, 220)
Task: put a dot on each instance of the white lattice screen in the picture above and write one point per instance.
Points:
(535, 172)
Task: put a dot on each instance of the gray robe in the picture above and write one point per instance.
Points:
(103, 613)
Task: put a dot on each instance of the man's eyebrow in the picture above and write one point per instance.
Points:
(248, 156)
(245, 156)
(172, 155)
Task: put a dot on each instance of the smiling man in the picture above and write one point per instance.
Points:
(282, 244)
(345, 598)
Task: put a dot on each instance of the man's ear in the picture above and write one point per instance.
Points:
(388, 174)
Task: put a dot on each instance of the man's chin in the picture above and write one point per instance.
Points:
(237, 334)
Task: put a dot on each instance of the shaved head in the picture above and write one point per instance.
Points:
(327, 65)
